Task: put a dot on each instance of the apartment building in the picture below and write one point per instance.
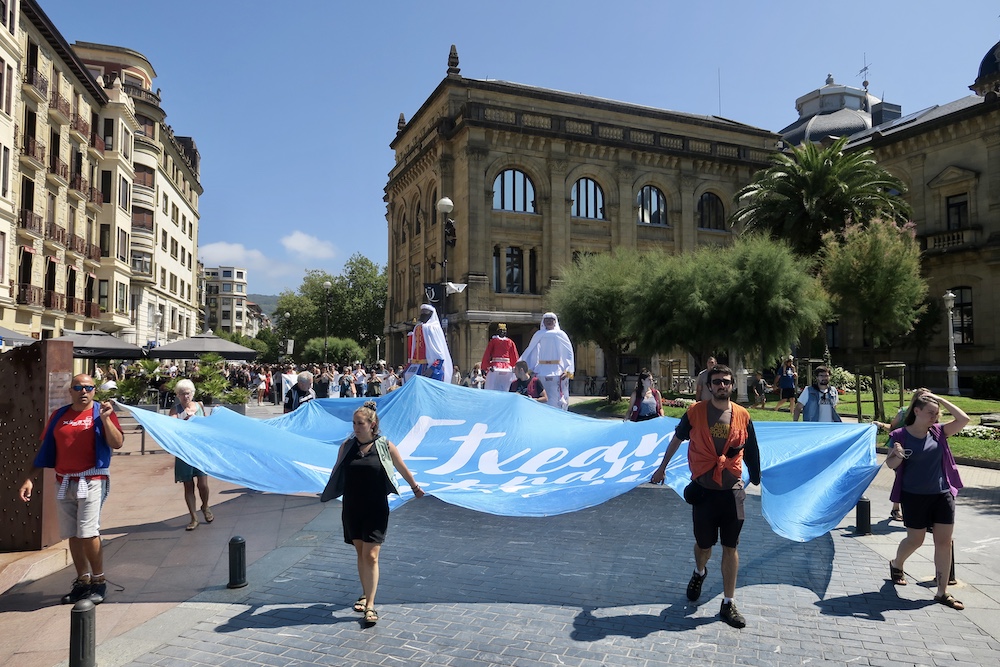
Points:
(226, 302)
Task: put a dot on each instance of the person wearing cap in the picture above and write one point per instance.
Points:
(549, 355)
(499, 359)
(429, 355)
(788, 379)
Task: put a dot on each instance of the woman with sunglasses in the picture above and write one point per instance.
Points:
(927, 483)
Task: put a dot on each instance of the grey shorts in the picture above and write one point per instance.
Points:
(81, 517)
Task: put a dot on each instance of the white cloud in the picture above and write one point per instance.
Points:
(265, 275)
(308, 247)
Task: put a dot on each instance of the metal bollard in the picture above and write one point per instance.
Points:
(82, 634)
(863, 514)
(237, 563)
(951, 575)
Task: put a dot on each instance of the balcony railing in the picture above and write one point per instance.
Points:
(97, 142)
(55, 232)
(77, 244)
(94, 252)
(951, 239)
(33, 77)
(96, 197)
(80, 126)
(33, 148)
(54, 300)
(94, 311)
(30, 221)
(80, 184)
(60, 105)
(30, 295)
(58, 168)
(141, 93)
(76, 306)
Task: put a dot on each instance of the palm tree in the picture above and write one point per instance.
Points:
(814, 190)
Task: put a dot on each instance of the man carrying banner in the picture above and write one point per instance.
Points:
(549, 355)
(429, 355)
(720, 436)
(499, 359)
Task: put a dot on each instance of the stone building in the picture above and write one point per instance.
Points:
(537, 177)
(92, 187)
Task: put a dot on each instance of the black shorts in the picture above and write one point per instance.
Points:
(719, 518)
(787, 393)
(922, 510)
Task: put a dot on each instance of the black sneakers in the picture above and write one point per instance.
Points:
(81, 589)
(98, 590)
(731, 615)
(694, 586)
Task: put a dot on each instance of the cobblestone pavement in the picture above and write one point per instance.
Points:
(603, 586)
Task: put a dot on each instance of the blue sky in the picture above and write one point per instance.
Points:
(293, 104)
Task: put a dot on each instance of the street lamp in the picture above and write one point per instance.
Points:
(378, 348)
(444, 207)
(157, 318)
(288, 324)
(326, 316)
(949, 304)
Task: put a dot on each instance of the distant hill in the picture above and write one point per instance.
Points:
(267, 302)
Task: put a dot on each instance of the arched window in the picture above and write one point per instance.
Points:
(652, 206)
(513, 191)
(961, 316)
(419, 219)
(711, 215)
(433, 207)
(403, 227)
(588, 199)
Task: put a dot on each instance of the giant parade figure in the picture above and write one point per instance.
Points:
(550, 356)
(499, 359)
(429, 355)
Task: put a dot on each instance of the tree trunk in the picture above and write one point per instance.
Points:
(612, 364)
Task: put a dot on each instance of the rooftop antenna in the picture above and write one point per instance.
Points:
(720, 92)
(864, 71)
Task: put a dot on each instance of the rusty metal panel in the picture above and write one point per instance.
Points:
(35, 378)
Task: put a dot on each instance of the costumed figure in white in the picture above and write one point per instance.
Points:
(429, 355)
(499, 359)
(550, 356)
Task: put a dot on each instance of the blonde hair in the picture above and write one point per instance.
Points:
(369, 412)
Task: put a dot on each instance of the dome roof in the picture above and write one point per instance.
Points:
(819, 128)
(989, 72)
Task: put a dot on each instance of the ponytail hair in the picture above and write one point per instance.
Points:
(369, 410)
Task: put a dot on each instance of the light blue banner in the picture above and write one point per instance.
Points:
(505, 454)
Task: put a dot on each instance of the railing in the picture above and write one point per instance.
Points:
(58, 168)
(954, 238)
(141, 93)
(55, 232)
(97, 142)
(77, 244)
(80, 184)
(94, 252)
(31, 221)
(145, 225)
(33, 77)
(30, 295)
(94, 311)
(54, 300)
(60, 104)
(76, 306)
(33, 148)
(96, 197)
(80, 125)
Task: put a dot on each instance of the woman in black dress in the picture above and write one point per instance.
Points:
(365, 475)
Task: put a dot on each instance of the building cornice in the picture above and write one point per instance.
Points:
(41, 21)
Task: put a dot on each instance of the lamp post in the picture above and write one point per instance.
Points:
(326, 316)
(444, 207)
(378, 348)
(288, 324)
(157, 318)
(949, 304)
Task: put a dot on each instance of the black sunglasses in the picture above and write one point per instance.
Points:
(83, 387)
(719, 382)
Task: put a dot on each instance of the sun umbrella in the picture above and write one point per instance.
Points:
(100, 345)
(10, 338)
(200, 344)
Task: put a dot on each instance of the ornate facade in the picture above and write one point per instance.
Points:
(537, 177)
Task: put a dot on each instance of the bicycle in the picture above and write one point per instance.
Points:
(590, 386)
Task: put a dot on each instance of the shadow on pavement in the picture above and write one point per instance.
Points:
(871, 606)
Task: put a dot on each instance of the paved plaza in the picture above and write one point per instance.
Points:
(603, 586)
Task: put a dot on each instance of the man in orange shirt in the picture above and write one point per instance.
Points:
(721, 437)
(77, 442)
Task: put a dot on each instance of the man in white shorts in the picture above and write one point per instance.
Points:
(77, 442)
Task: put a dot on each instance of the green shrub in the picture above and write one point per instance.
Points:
(986, 386)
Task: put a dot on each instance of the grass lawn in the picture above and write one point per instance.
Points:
(972, 448)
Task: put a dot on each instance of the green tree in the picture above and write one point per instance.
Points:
(238, 338)
(269, 338)
(873, 273)
(593, 300)
(814, 189)
(756, 297)
(340, 351)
